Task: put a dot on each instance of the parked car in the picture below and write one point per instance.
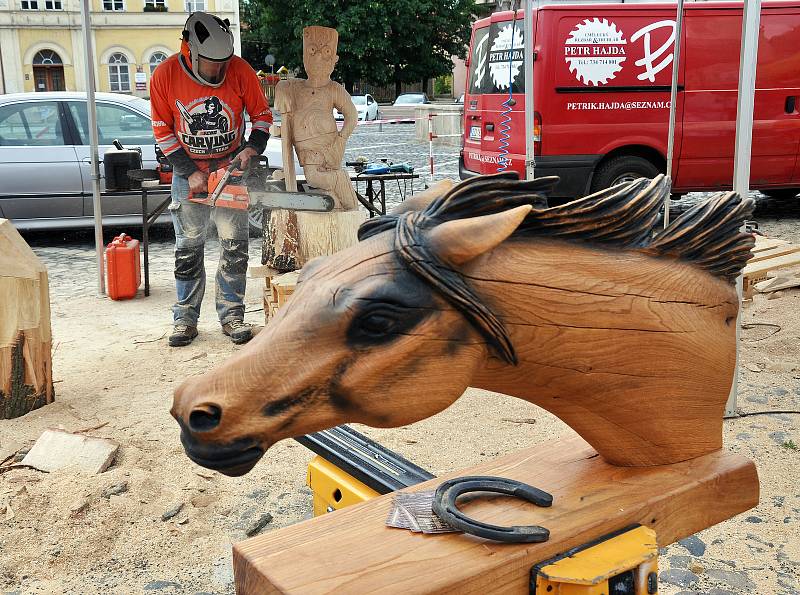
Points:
(411, 99)
(366, 106)
(602, 95)
(45, 162)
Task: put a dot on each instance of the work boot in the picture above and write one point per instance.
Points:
(238, 330)
(182, 335)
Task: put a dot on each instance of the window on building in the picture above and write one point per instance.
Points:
(156, 59)
(113, 4)
(155, 5)
(46, 58)
(29, 4)
(119, 74)
(53, 5)
(195, 5)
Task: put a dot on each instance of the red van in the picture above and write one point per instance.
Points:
(602, 77)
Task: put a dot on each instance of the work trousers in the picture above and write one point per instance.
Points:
(191, 221)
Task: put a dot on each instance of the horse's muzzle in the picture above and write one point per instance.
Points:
(232, 459)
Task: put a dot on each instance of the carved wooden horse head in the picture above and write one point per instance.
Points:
(626, 334)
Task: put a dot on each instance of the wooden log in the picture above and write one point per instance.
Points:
(292, 238)
(280, 241)
(26, 377)
(352, 551)
(321, 234)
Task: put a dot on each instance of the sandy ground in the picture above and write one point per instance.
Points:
(114, 372)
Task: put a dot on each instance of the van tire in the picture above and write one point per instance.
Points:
(622, 168)
(781, 193)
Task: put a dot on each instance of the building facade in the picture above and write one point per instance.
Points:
(42, 41)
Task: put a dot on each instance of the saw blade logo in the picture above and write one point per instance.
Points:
(595, 51)
(505, 57)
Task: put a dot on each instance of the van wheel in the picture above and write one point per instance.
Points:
(622, 169)
(782, 193)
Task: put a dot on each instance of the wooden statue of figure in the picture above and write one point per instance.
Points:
(308, 126)
(625, 332)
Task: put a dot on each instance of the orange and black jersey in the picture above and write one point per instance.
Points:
(206, 123)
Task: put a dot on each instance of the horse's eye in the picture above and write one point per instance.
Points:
(377, 324)
(379, 321)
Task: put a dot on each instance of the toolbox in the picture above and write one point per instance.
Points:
(123, 267)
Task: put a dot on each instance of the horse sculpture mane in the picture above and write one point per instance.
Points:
(624, 331)
(622, 217)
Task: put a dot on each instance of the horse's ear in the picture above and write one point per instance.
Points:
(459, 241)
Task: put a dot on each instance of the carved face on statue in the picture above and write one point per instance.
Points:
(319, 51)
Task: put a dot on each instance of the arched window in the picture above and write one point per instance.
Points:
(156, 59)
(46, 58)
(119, 74)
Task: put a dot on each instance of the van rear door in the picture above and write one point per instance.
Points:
(493, 125)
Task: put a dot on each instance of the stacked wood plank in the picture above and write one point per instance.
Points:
(26, 374)
(277, 290)
(770, 255)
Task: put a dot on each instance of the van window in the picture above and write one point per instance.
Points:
(493, 66)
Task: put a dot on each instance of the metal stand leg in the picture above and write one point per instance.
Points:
(145, 241)
(148, 220)
(370, 197)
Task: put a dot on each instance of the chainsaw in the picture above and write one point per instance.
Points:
(234, 188)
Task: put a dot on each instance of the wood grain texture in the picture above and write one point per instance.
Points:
(621, 333)
(634, 353)
(352, 551)
(26, 376)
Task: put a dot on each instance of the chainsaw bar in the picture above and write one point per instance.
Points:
(295, 201)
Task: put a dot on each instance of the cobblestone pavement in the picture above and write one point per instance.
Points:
(686, 566)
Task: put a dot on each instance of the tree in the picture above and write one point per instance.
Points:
(425, 34)
(380, 41)
(255, 36)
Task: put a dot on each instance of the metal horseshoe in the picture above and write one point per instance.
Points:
(444, 505)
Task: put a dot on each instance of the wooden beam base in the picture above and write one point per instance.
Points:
(352, 551)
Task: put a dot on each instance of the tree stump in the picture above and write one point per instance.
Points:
(26, 372)
(292, 238)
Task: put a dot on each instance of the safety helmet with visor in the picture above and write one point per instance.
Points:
(208, 47)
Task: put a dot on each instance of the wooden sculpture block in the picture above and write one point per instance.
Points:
(625, 332)
(353, 551)
(26, 371)
(308, 127)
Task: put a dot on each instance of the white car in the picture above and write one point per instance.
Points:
(366, 106)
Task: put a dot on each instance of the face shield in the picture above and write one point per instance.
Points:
(211, 72)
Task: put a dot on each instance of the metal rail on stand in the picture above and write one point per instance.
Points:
(148, 175)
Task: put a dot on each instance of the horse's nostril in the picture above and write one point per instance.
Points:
(204, 418)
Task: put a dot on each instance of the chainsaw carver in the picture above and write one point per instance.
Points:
(198, 99)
